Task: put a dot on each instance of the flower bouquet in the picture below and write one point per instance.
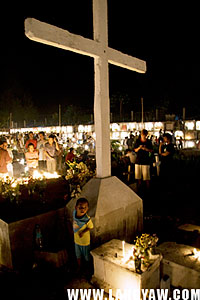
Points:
(77, 176)
(143, 251)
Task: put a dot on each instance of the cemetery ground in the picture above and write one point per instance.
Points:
(165, 209)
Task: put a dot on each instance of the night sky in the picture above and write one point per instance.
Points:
(165, 36)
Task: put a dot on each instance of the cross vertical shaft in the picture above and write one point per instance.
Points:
(101, 97)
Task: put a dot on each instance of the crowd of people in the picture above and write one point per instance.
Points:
(43, 152)
(39, 153)
(47, 153)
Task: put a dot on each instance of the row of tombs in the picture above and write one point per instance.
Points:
(114, 220)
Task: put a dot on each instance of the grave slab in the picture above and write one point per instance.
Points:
(16, 238)
(180, 265)
(112, 271)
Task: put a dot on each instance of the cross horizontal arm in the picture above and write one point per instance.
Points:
(126, 61)
(54, 36)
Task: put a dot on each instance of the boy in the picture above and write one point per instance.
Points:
(82, 224)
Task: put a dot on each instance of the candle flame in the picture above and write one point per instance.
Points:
(196, 253)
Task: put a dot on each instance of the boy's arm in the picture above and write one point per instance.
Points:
(88, 228)
(82, 232)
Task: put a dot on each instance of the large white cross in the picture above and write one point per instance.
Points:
(102, 54)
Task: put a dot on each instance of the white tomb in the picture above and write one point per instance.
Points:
(181, 264)
(114, 271)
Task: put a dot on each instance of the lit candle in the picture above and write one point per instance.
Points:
(123, 248)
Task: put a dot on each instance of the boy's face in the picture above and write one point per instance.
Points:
(81, 209)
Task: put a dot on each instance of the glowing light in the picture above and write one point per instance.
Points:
(69, 129)
(124, 134)
(189, 125)
(123, 248)
(81, 128)
(115, 127)
(120, 148)
(159, 125)
(115, 135)
(178, 133)
(132, 126)
(86, 147)
(14, 184)
(75, 146)
(148, 125)
(26, 169)
(197, 125)
(196, 254)
(44, 175)
(190, 144)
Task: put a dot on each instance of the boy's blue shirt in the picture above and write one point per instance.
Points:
(79, 222)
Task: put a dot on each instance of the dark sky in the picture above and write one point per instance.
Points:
(164, 35)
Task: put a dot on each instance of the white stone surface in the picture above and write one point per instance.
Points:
(5, 247)
(116, 273)
(116, 210)
(102, 54)
(178, 263)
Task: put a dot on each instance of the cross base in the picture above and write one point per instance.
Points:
(115, 209)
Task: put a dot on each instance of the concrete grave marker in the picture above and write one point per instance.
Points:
(99, 50)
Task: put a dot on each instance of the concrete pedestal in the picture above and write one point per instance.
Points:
(112, 271)
(180, 265)
(115, 209)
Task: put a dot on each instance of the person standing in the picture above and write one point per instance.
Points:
(166, 152)
(51, 151)
(5, 159)
(143, 147)
(130, 142)
(31, 158)
(70, 155)
(40, 146)
(31, 140)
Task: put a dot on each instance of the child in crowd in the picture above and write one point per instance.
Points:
(32, 158)
(82, 224)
